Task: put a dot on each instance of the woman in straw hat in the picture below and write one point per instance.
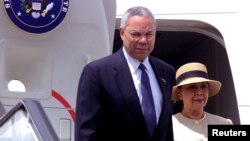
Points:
(193, 87)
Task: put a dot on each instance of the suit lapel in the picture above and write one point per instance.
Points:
(161, 79)
(160, 76)
(126, 86)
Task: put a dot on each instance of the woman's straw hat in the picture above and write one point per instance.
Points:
(192, 73)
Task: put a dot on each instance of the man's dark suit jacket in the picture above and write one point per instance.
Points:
(108, 107)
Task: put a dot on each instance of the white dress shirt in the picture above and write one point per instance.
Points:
(136, 75)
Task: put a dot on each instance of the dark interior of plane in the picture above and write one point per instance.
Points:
(182, 41)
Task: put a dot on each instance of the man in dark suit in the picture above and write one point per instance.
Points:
(109, 99)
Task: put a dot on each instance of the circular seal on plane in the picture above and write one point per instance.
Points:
(36, 16)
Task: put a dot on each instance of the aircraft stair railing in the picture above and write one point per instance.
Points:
(2, 110)
(26, 121)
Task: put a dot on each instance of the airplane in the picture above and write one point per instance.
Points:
(44, 46)
(48, 59)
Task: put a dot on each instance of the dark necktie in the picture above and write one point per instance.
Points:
(147, 101)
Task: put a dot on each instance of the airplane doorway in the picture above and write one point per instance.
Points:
(182, 41)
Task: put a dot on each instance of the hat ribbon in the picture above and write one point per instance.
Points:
(191, 74)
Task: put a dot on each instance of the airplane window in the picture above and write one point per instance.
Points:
(16, 86)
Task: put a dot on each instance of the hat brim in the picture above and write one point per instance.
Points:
(214, 86)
